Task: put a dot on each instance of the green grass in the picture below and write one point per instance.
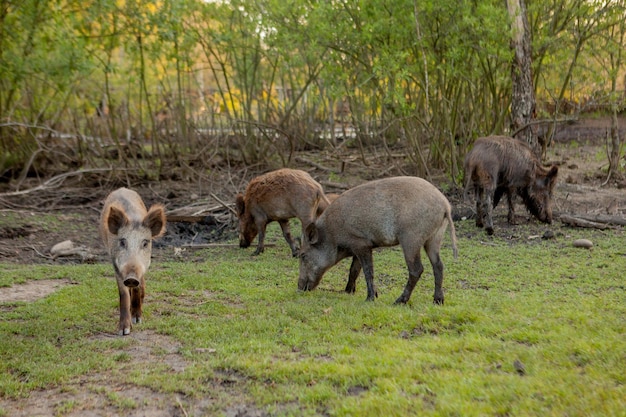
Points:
(559, 310)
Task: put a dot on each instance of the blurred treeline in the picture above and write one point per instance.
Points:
(153, 86)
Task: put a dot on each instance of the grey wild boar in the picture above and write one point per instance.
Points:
(278, 196)
(127, 230)
(408, 211)
(499, 165)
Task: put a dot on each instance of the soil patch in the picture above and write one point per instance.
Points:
(105, 394)
(31, 290)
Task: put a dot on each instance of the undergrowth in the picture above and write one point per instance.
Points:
(529, 327)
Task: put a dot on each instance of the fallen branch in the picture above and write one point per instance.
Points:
(602, 218)
(314, 164)
(56, 181)
(218, 245)
(174, 218)
(227, 206)
(580, 222)
(334, 185)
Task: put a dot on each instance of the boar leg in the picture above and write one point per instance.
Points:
(497, 195)
(367, 263)
(414, 264)
(488, 206)
(124, 325)
(261, 245)
(136, 301)
(509, 198)
(432, 248)
(355, 270)
(284, 226)
(479, 196)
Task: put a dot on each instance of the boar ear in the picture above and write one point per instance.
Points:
(311, 233)
(155, 220)
(553, 172)
(115, 219)
(240, 204)
(552, 175)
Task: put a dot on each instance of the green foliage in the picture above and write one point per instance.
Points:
(429, 75)
(556, 309)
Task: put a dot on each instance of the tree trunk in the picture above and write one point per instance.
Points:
(523, 99)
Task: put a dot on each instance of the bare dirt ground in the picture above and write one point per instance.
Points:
(33, 222)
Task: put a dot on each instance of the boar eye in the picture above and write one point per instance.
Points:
(123, 243)
(145, 242)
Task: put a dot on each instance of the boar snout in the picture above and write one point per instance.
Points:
(307, 286)
(131, 281)
(304, 285)
(303, 281)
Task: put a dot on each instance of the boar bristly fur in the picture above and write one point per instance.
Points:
(127, 230)
(278, 196)
(501, 165)
(405, 211)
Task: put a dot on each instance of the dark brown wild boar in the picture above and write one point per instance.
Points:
(408, 211)
(278, 196)
(499, 165)
(127, 230)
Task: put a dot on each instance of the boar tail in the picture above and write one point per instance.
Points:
(455, 251)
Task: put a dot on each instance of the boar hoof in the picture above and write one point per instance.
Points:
(489, 230)
(400, 300)
(438, 301)
(372, 297)
(136, 320)
(124, 332)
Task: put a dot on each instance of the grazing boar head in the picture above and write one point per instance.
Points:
(538, 195)
(247, 227)
(317, 255)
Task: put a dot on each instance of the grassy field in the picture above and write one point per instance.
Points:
(529, 328)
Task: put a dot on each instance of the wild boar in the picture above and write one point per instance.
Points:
(127, 230)
(408, 211)
(278, 196)
(499, 165)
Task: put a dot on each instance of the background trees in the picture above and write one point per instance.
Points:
(158, 86)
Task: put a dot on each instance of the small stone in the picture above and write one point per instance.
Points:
(62, 247)
(583, 243)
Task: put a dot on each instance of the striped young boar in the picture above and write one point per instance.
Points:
(408, 211)
(127, 230)
(278, 196)
(499, 165)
